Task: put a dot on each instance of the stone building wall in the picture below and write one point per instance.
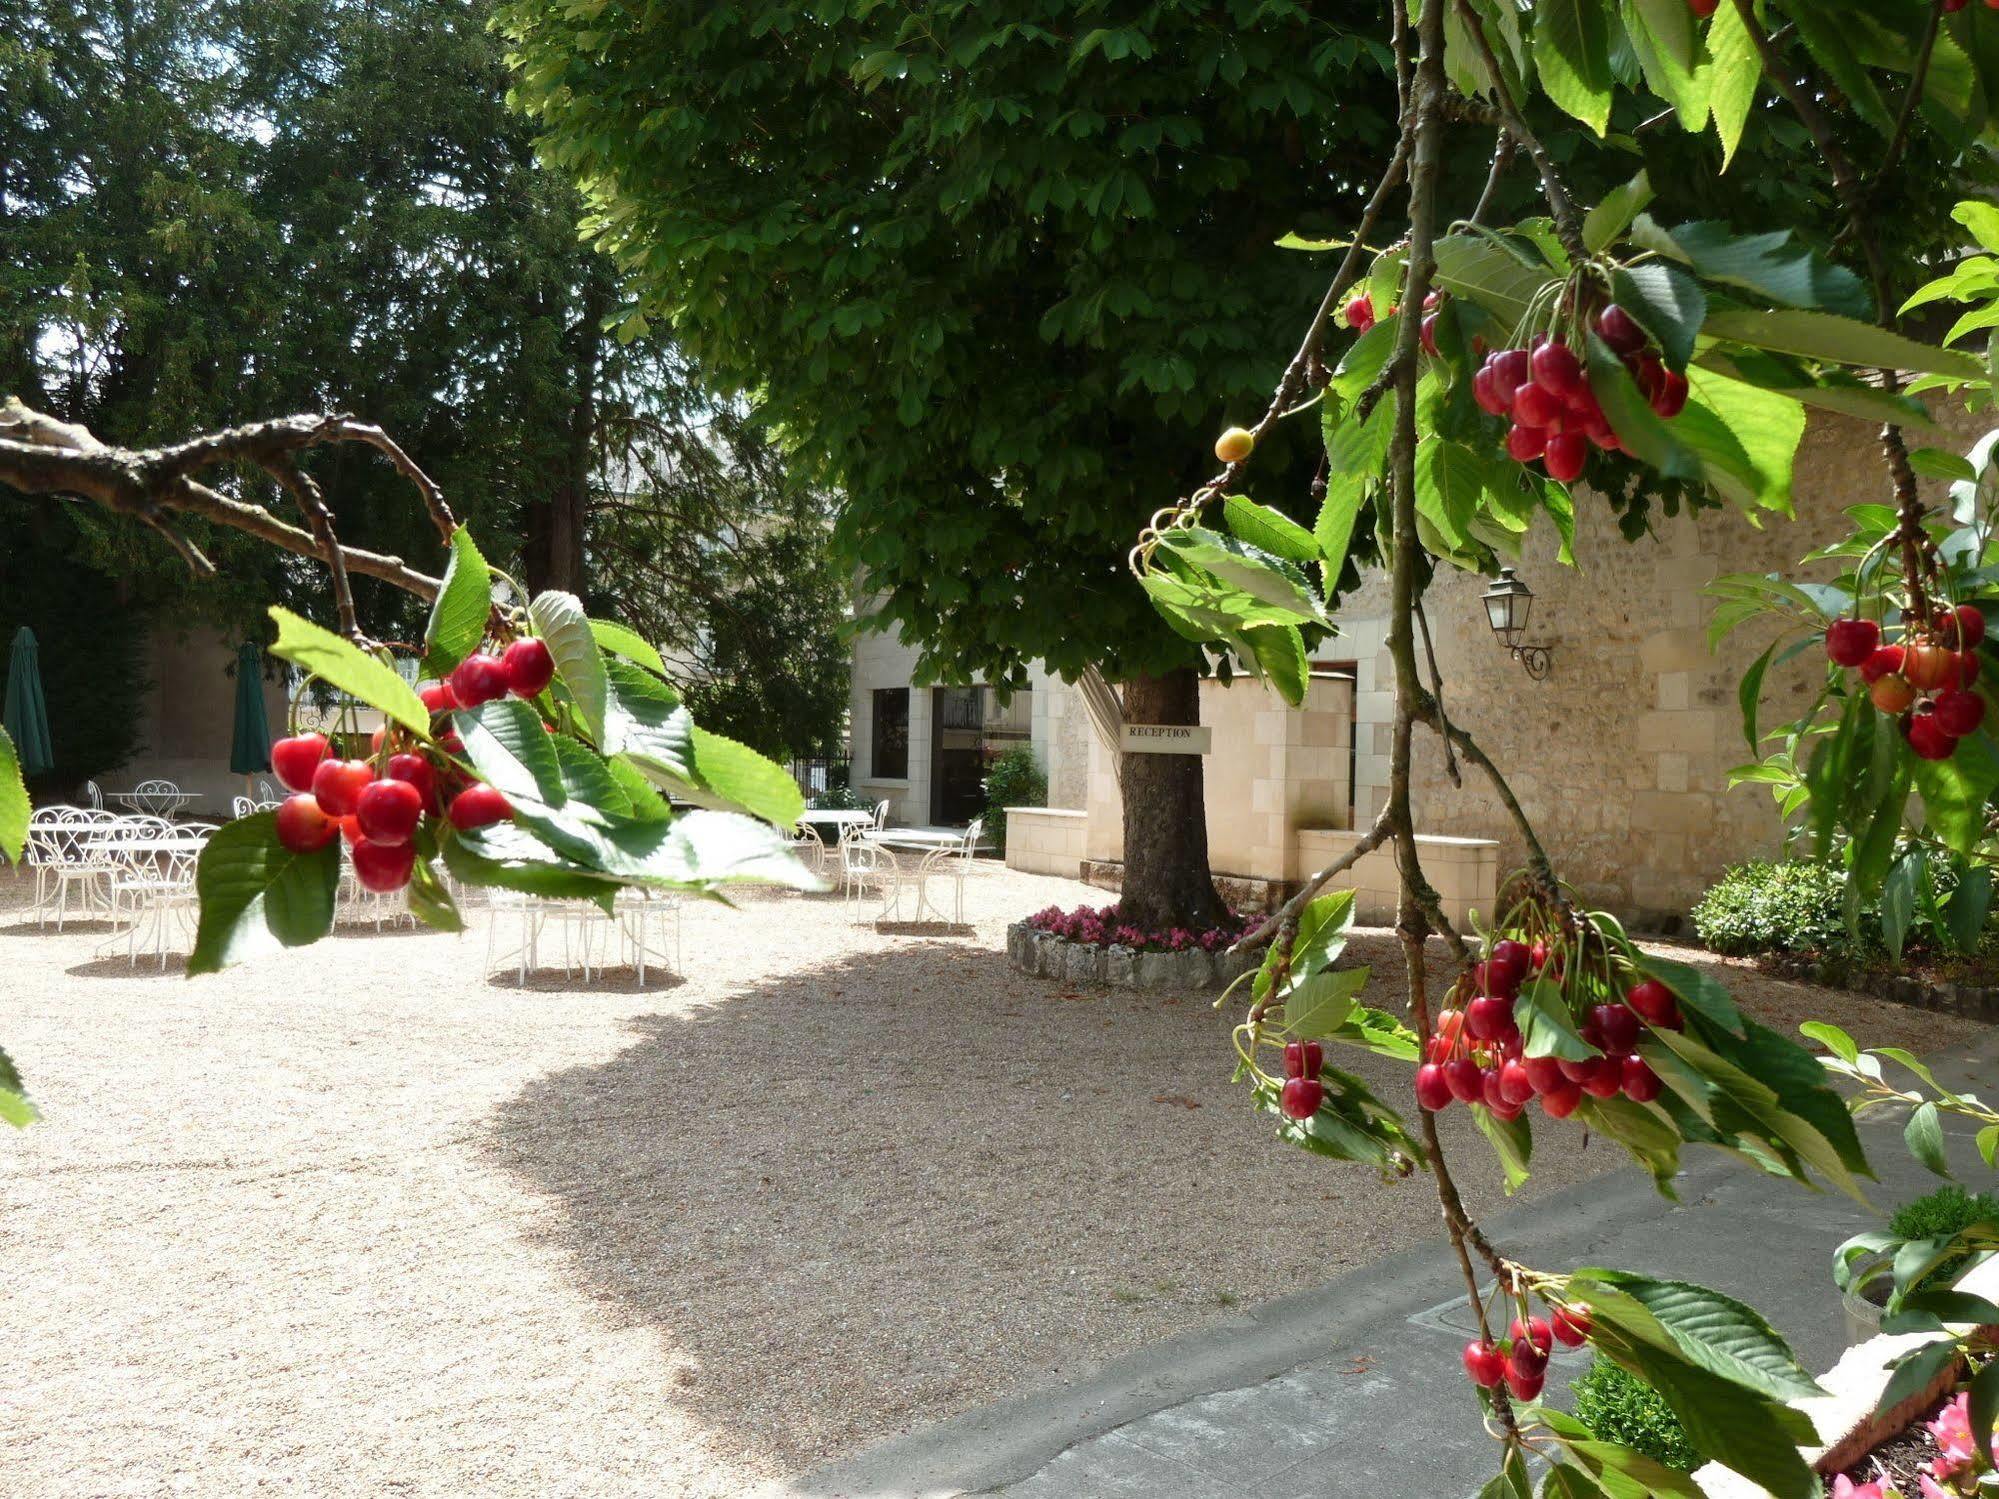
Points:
(1620, 757)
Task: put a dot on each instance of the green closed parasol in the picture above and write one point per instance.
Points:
(27, 710)
(250, 744)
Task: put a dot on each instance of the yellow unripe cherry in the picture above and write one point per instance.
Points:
(1235, 445)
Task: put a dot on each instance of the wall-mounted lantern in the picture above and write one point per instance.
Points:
(1508, 602)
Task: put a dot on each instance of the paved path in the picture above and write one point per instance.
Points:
(1331, 1391)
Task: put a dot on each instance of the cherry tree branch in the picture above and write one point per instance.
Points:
(40, 454)
(1568, 223)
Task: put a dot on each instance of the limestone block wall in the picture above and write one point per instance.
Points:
(190, 717)
(1046, 840)
(1465, 872)
(1621, 756)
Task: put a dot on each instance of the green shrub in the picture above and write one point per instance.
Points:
(1938, 1215)
(1797, 906)
(1016, 779)
(836, 799)
(1620, 1407)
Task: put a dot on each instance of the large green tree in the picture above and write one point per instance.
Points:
(989, 265)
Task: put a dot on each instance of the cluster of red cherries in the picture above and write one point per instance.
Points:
(1543, 392)
(1521, 1359)
(1925, 680)
(377, 804)
(1475, 1054)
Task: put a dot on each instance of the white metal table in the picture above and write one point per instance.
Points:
(926, 841)
(835, 817)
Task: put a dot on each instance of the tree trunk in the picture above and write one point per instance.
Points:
(554, 527)
(1166, 879)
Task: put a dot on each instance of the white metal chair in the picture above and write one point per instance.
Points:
(268, 794)
(881, 814)
(82, 861)
(157, 798)
(865, 863)
(953, 862)
(159, 893)
(810, 845)
(96, 796)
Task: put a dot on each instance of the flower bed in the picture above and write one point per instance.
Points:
(1094, 946)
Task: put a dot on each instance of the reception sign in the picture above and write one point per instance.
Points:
(1165, 739)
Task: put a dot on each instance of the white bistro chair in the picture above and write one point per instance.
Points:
(864, 866)
(952, 862)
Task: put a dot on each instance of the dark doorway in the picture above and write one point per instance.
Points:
(968, 730)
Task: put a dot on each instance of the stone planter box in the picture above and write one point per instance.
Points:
(1047, 956)
(1844, 1418)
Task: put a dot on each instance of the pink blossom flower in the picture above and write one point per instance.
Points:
(1952, 1429)
(1845, 1488)
(1931, 1490)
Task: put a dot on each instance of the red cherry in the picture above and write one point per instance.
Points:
(1650, 373)
(1967, 668)
(1527, 1361)
(1556, 368)
(1537, 955)
(529, 667)
(1959, 713)
(1654, 1003)
(1535, 406)
(1465, 1080)
(1489, 1018)
(1500, 978)
(382, 867)
(1525, 1386)
(418, 772)
(1432, 1091)
(295, 759)
(1534, 1330)
(350, 830)
(438, 697)
(302, 826)
(1620, 330)
(1962, 628)
(1849, 642)
(1929, 666)
(1883, 660)
(1360, 314)
(479, 806)
(388, 811)
(479, 679)
(1450, 1023)
(1511, 957)
(1672, 397)
(1426, 335)
(1892, 693)
(1486, 392)
(1640, 1083)
(1559, 1103)
(1516, 1085)
(1572, 1324)
(1706, 8)
(1301, 1097)
(1303, 1058)
(1484, 1364)
(1545, 1073)
(338, 784)
(1617, 1025)
(1566, 454)
(1525, 444)
(1606, 1078)
(1928, 738)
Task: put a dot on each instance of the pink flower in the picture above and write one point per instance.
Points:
(1845, 1488)
(1930, 1490)
(1952, 1429)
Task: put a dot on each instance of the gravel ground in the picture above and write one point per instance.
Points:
(363, 1219)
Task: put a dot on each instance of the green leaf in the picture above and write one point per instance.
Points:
(1351, 1125)
(1381, 1033)
(505, 857)
(1264, 577)
(565, 630)
(745, 779)
(1924, 1137)
(1279, 652)
(1776, 267)
(1316, 1007)
(1733, 70)
(1747, 438)
(630, 644)
(1610, 218)
(430, 901)
(508, 745)
(1565, 1482)
(15, 1106)
(1955, 791)
(1546, 1028)
(1450, 481)
(1512, 1141)
(1624, 1474)
(1271, 530)
(1842, 340)
(1322, 931)
(1898, 897)
(644, 720)
(1969, 905)
(349, 668)
(1502, 282)
(1984, 1404)
(1572, 56)
(1663, 37)
(14, 809)
(1714, 1330)
(1695, 990)
(1988, 1145)
(1749, 694)
(1916, 1372)
(1935, 463)
(458, 617)
(1637, 425)
(1666, 302)
(257, 895)
(1649, 1139)
(1826, 36)
(1832, 1038)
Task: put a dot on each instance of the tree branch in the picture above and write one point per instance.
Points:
(1568, 224)
(40, 454)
